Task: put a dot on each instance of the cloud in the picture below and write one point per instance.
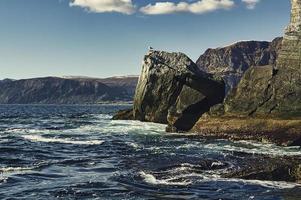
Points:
(198, 7)
(251, 4)
(101, 6)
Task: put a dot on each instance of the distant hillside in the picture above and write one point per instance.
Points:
(127, 82)
(54, 90)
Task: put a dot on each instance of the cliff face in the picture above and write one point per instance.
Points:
(52, 90)
(278, 93)
(232, 61)
(171, 89)
(266, 104)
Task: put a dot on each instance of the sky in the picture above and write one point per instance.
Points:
(103, 38)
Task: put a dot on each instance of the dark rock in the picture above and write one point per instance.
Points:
(124, 115)
(232, 61)
(171, 89)
(251, 93)
(269, 169)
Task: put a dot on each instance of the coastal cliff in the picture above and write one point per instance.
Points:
(172, 90)
(266, 104)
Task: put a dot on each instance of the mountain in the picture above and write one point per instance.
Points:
(232, 61)
(127, 82)
(54, 90)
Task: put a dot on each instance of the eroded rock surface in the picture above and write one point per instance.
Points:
(172, 90)
(232, 61)
(265, 97)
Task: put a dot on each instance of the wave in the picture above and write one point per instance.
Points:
(188, 179)
(251, 147)
(15, 169)
(38, 138)
(151, 179)
(266, 184)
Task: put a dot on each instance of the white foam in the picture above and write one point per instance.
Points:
(151, 179)
(268, 184)
(38, 138)
(254, 148)
(186, 179)
(14, 169)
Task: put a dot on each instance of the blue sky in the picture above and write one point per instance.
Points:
(102, 38)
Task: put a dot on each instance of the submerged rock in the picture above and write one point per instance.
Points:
(171, 89)
(268, 168)
(124, 114)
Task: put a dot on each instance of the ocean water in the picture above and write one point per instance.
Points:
(77, 152)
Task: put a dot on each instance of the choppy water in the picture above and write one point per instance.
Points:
(77, 152)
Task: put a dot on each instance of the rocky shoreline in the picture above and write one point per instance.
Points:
(283, 132)
(261, 103)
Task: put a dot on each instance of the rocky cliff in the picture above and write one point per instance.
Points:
(266, 104)
(172, 90)
(232, 61)
(53, 90)
(273, 90)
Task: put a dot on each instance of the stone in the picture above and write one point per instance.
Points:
(124, 114)
(172, 90)
(251, 93)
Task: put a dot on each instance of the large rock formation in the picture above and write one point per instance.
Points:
(265, 98)
(274, 91)
(232, 61)
(171, 89)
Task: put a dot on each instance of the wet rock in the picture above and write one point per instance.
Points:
(269, 169)
(124, 115)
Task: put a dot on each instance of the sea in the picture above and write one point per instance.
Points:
(78, 152)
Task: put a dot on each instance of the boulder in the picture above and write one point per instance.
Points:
(172, 90)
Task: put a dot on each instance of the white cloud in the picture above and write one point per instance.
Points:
(101, 6)
(251, 4)
(198, 7)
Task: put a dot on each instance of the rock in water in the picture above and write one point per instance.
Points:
(171, 89)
